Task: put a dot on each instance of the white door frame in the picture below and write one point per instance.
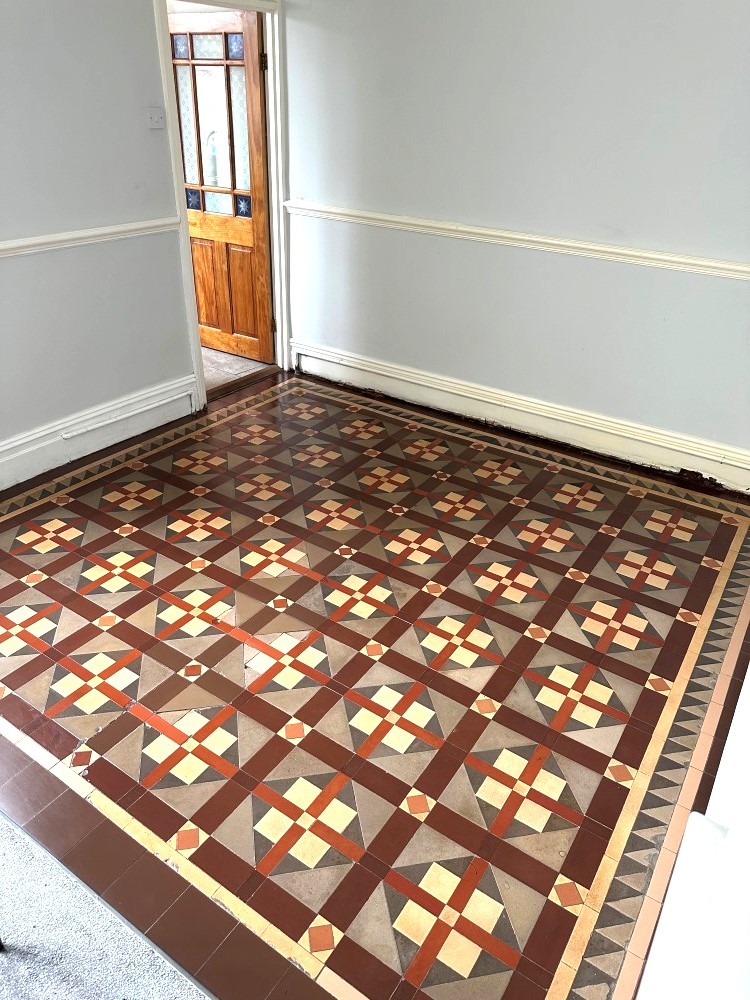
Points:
(277, 177)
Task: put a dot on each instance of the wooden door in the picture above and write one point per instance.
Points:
(218, 65)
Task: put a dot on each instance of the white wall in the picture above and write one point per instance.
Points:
(605, 123)
(87, 324)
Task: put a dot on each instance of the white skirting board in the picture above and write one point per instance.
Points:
(54, 444)
(624, 439)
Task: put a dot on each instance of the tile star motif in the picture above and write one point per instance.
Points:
(545, 535)
(569, 895)
(495, 792)
(335, 515)
(193, 749)
(116, 572)
(321, 938)
(200, 462)
(133, 496)
(494, 471)
(627, 630)
(360, 597)
(646, 570)
(89, 684)
(426, 449)
(383, 479)
(48, 536)
(460, 953)
(447, 637)
(278, 652)
(459, 506)
(275, 557)
(418, 547)
(507, 581)
(363, 430)
(200, 615)
(579, 496)
(317, 456)
(671, 525)
(587, 715)
(397, 737)
(198, 525)
(20, 626)
(264, 487)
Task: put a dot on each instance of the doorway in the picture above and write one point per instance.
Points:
(219, 65)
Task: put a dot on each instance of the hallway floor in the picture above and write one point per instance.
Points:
(366, 702)
(226, 373)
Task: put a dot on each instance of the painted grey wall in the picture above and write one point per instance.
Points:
(93, 323)
(590, 121)
(84, 325)
(632, 342)
(77, 78)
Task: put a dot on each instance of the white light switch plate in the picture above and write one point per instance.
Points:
(155, 117)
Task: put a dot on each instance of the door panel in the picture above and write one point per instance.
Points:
(241, 285)
(204, 270)
(220, 96)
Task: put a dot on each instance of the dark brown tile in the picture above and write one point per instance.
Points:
(30, 791)
(295, 985)
(363, 971)
(65, 822)
(191, 929)
(12, 760)
(103, 856)
(145, 891)
(243, 965)
(222, 864)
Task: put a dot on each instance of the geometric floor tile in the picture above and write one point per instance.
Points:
(411, 699)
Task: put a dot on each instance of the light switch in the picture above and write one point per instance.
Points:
(155, 117)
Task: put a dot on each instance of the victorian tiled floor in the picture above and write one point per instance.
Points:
(413, 702)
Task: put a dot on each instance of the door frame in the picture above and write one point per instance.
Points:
(278, 192)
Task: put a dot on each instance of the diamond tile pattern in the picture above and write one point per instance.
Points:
(401, 674)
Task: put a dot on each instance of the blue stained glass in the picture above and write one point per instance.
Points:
(180, 46)
(193, 199)
(244, 206)
(236, 46)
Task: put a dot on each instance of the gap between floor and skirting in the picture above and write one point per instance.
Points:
(623, 439)
(507, 237)
(61, 441)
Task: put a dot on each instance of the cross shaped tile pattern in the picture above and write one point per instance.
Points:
(388, 680)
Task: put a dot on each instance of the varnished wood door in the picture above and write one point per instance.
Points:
(218, 66)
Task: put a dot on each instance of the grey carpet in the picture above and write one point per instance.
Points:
(62, 943)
